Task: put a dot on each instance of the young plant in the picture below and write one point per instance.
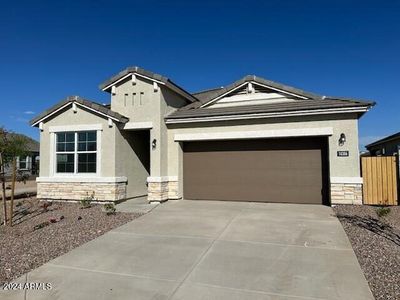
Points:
(109, 208)
(25, 212)
(41, 225)
(3, 162)
(382, 211)
(11, 146)
(87, 201)
(45, 206)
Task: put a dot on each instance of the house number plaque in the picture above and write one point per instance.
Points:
(343, 153)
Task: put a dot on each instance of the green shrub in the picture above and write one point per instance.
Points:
(87, 201)
(41, 225)
(25, 212)
(382, 211)
(109, 208)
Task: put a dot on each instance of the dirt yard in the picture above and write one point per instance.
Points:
(41, 234)
(376, 242)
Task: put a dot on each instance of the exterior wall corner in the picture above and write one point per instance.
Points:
(163, 189)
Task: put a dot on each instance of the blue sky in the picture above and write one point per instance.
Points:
(52, 49)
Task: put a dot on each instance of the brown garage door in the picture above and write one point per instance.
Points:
(289, 170)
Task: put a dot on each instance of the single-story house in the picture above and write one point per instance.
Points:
(387, 146)
(28, 164)
(253, 140)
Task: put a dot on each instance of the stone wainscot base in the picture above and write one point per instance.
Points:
(346, 192)
(102, 191)
(162, 188)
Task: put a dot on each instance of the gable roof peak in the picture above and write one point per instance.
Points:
(106, 85)
(210, 97)
(94, 106)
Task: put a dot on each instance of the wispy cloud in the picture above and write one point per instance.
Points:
(29, 112)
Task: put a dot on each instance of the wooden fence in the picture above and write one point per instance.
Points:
(379, 180)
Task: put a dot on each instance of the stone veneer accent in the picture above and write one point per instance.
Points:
(112, 191)
(173, 190)
(162, 190)
(346, 193)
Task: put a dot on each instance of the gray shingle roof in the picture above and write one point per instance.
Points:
(299, 105)
(206, 96)
(384, 140)
(313, 101)
(96, 106)
(152, 75)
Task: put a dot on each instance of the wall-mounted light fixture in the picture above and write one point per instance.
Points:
(342, 139)
(154, 144)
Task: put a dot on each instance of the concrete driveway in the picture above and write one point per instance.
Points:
(211, 250)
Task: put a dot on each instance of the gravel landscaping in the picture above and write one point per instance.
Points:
(376, 242)
(41, 234)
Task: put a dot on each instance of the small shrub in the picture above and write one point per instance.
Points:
(46, 205)
(25, 212)
(41, 225)
(382, 211)
(109, 208)
(86, 201)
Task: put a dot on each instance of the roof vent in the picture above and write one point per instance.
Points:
(323, 97)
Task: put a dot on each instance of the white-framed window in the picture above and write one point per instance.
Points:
(23, 163)
(76, 152)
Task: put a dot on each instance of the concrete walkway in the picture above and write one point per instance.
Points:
(138, 205)
(211, 250)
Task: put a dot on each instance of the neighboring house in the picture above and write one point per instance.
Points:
(28, 164)
(254, 140)
(387, 146)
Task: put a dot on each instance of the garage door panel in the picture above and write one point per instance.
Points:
(280, 170)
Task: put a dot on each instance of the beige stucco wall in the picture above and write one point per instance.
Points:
(132, 158)
(82, 117)
(170, 102)
(338, 166)
(115, 148)
(146, 111)
(154, 107)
